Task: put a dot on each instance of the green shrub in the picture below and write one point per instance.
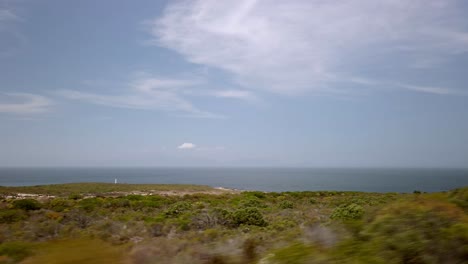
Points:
(348, 212)
(286, 205)
(135, 197)
(147, 203)
(460, 198)
(8, 216)
(222, 216)
(183, 223)
(60, 204)
(17, 251)
(80, 217)
(256, 194)
(177, 208)
(251, 202)
(199, 205)
(118, 203)
(89, 204)
(282, 225)
(248, 216)
(75, 196)
(27, 204)
(422, 231)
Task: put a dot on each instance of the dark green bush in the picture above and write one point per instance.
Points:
(211, 218)
(286, 205)
(75, 196)
(248, 216)
(251, 202)
(222, 216)
(89, 204)
(282, 225)
(135, 197)
(60, 204)
(118, 203)
(177, 208)
(11, 215)
(256, 194)
(27, 204)
(348, 212)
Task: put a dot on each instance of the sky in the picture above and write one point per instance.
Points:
(300, 83)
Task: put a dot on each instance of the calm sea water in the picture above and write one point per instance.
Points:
(264, 179)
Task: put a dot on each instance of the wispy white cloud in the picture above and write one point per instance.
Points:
(187, 146)
(302, 45)
(148, 93)
(382, 84)
(432, 90)
(411, 87)
(234, 94)
(23, 103)
(151, 84)
(7, 15)
(11, 39)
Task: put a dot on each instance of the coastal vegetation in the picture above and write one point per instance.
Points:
(124, 223)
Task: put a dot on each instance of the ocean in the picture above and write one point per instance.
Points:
(262, 179)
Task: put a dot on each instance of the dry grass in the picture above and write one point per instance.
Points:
(78, 251)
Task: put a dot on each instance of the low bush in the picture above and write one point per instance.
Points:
(282, 225)
(90, 204)
(75, 196)
(177, 208)
(286, 205)
(27, 204)
(423, 231)
(117, 203)
(8, 216)
(251, 202)
(257, 194)
(348, 212)
(60, 204)
(248, 216)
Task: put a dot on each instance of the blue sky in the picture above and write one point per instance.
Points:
(234, 83)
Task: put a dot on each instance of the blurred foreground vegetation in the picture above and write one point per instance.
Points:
(102, 223)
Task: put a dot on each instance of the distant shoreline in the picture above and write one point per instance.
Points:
(96, 189)
(89, 190)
